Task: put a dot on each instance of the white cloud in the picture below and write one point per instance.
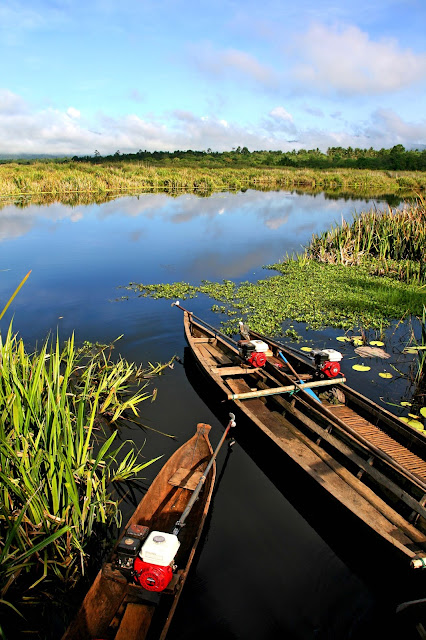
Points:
(73, 113)
(386, 125)
(232, 62)
(314, 111)
(347, 60)
(281, 114)
(51, 131)
(10, 103)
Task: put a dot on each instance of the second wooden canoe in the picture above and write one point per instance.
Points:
(117, 608)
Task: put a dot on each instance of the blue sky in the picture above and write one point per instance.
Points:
(181, 74)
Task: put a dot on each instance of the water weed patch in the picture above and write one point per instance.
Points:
(306, 291)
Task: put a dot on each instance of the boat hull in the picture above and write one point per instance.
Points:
(113, 608)
(367, 480)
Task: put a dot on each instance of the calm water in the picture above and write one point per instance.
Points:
(277, 558)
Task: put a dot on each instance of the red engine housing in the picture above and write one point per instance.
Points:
(330, 369)
(152, 577)
(257, 359)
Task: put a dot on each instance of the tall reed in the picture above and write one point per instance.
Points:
(58, 456)
(391, 242)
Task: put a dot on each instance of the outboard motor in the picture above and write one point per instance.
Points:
(253, 351)
(327, 362)
(147, 562)
(153, 567)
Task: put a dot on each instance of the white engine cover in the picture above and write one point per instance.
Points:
(159, 548)
(332, 354)
(260, 346)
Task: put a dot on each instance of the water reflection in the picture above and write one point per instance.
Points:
(80, 253)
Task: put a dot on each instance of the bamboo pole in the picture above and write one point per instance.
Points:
(277, 390)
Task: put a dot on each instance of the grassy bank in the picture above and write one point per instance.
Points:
(391, 242)
(65, 179)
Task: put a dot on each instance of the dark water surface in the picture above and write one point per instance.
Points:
(278, 558)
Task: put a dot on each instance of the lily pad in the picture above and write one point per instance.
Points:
(404, 403)
(361, 367)
(384, 374)
(377, 343)
(357, 343)
(305, 348)
(418, 426)
(423, 412)
(343, 339)
(415, 424)
(413, 415)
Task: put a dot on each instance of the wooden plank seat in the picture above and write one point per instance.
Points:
(185, 478)
(233, 371)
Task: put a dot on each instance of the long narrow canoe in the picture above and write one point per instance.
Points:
(363, 455)
(114, 606)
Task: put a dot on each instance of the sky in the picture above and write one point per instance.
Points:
(122, 75)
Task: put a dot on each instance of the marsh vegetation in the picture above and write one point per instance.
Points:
(68, 179)
(391, 243)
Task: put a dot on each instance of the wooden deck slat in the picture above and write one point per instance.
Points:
(380, 439)
(233, 371)
(217, 355)
(206, 355)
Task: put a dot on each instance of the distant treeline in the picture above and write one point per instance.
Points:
(396, 159)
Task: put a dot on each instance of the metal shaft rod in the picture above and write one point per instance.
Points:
(180, 523)
(308, 391)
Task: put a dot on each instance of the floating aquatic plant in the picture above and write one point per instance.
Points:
(318, 294)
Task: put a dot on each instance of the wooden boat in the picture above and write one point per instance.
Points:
(363, 455)
(115, 606)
